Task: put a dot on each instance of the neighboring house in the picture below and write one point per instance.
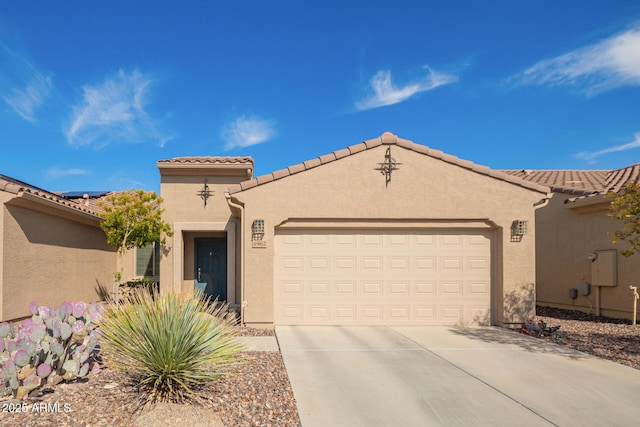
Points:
(577, 265)
(379, 233)
(51, 249)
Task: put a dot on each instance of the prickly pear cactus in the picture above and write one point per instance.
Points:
(49, 347)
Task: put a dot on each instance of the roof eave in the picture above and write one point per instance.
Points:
(592, 200)
(58, 205)
(228, 169)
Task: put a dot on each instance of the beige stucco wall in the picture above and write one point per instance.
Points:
(565, 238)
(49, 256)
(190, 218)
(423, 189)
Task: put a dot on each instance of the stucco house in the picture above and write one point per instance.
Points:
(51, 249)
(577, 265)
(382, 232)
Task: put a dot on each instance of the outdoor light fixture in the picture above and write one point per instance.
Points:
(519, 227)
(257, 234)
(518, 230)
(258, 226)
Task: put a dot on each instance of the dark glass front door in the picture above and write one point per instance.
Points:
(211, 266)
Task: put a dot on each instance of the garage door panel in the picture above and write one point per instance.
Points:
(382, 277)
(346, 265)
(320, 313)
(345, 289)
(397, 288)
(346, 313)
(424, 289)
(318, 289)
(425, 264)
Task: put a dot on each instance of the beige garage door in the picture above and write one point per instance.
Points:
(335, 277)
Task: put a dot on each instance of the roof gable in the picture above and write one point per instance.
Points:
(386, 138)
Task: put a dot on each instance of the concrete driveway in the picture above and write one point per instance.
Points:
(448, 376)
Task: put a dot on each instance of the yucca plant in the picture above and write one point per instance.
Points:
(169, 343)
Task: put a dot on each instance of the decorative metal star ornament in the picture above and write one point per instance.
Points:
(389, 165)
(205, 193)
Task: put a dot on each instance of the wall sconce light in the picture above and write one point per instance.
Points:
(519, 227)
(592, 256)
(257, 227)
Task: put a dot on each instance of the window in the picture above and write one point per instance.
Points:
(148, 260)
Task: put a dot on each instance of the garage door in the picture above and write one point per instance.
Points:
(335, 277)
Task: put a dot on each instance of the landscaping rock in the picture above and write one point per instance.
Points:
(173, 414)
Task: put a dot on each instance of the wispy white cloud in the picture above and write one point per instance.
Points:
(386, 93)
(114, 111)
(24, 88)
(603, 66)
(591, 156)
(54, 173)
(246, 131)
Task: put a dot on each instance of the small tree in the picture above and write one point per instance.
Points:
(626, 207)
(133, 219)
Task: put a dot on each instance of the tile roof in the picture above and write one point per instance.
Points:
(386, 138)
(207, 160)
(619, 178)
(18, 187)
(580, 182)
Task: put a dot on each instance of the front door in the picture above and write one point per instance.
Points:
(211, 266)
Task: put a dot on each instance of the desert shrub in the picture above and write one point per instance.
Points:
(49, 347)
(168, 343)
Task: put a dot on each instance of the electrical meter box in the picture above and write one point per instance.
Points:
(604, 268)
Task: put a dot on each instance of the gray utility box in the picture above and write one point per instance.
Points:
(604, 269)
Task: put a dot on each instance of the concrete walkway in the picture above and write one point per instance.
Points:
(445, 376)
(259, 343)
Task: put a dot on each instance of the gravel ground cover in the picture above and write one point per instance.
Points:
(607, 338)
(258, 392)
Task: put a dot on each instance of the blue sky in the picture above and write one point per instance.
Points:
(93, 93)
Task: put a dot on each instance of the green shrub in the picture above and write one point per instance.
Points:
(169, 343)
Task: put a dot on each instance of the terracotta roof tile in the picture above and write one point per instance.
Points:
(565, 181)
(299, 167)
(327, 158)
(249, 184)
(617, 179)
(264, 179)
(280, 173)
(209, 160)
(342, 153)
(17, 187)
(235, 188)
(405, 143)
(353, 149)
(308, 164)
(371, 143)
(387, 138)
(435, 153)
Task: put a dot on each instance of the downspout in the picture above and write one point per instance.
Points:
(240, 209)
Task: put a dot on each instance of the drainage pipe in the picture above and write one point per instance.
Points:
(240, 207)
(635, 302)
